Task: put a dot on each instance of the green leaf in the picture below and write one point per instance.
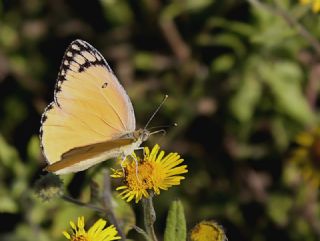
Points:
(227, 40)
(177, 8)
(176, 223)
(240, 28)
(243, 103)
(7, 204)
(223, 63)
(8, 154)
(143, 60)
(33, 148)
(117, 12)
(284, 80)
(279, 207)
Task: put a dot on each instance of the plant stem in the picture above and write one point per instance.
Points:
(149, 217)
(77, 202)
(142, 232)
(108, 207)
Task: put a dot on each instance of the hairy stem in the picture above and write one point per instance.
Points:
(107, 203)
(79, 203)
(142, 232)
(149, 215)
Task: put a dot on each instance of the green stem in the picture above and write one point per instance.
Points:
(107, 203)
(149, 217)
(142, 232)
(77, 202)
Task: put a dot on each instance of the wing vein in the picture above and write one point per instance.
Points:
(106, 97)
(83, 123)
(94, 114)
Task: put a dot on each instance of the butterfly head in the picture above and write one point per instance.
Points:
(141, 134)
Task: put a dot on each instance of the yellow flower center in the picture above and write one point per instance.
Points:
(139, 177)
(79, 238)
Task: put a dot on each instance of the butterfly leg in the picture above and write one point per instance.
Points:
(137, 163)
(140, 148)
(135, 160)
(122, 165)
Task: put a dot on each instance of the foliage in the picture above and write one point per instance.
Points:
(176, 223)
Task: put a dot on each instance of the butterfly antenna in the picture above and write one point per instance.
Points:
(159, 131)
(156, 111)
(163, 126)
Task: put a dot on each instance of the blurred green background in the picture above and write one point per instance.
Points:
(242, 80)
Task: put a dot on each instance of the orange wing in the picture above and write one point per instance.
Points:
(90, 105)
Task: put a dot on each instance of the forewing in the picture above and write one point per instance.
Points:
(90, 105)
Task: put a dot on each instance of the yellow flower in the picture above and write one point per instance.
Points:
(154, 172)
(97, 232)
(208, 231)
(307, 156)
(315, 4)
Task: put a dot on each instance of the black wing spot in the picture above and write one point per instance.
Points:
(104, 85)
(77, 47)
(58, 89)
(49, 107)
(84, 66)
(44, 118)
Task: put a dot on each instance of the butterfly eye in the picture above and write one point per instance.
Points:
(144, 135)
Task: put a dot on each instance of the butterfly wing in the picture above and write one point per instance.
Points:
(90, 106)
(80, 158)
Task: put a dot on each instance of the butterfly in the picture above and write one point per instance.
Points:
(91, 118)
